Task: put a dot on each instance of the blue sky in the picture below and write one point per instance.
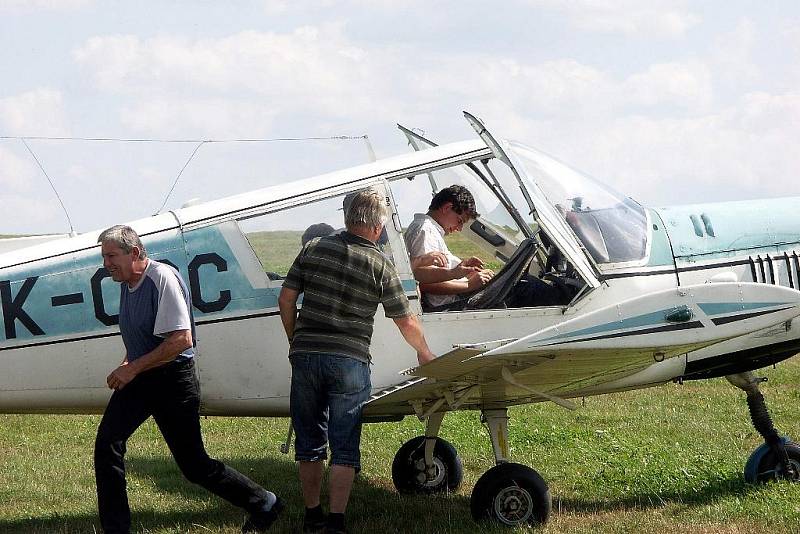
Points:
(668, 101)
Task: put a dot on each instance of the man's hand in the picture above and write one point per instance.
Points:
(462, 271)
(478, 279)
(473, 262)
(121, 376)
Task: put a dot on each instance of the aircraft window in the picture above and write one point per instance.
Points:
(277, 238)
(613, 228)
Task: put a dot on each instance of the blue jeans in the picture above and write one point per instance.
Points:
(328, 394)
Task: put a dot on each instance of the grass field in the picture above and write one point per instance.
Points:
(277, 249)
(658, 460)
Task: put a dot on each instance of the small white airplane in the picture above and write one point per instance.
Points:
(650, 295)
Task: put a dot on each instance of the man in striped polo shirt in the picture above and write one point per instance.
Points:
(343, 278)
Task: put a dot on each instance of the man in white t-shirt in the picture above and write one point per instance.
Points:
(450, 209)
(157, 378)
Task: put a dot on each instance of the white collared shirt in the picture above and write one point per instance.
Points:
(425, 235)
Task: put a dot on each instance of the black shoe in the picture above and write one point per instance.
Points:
(335, 524)
(261, 521)
(314, 522)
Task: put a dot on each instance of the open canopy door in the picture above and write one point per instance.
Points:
(542, 211)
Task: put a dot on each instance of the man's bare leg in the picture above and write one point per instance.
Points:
(340, 485)
(311, 482)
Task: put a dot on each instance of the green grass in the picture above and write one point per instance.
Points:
(464, 248)
(667, 459)
(277, 249)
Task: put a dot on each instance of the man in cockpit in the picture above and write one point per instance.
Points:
(442, 285)
(450, 209)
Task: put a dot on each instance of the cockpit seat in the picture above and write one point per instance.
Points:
(586, 227)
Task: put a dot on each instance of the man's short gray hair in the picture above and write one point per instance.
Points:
(367, 209)
(124, 237)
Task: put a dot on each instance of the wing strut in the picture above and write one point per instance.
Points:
(564, 403)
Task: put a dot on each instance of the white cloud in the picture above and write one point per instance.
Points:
(199, 117)
(745, 151)
(307, 61)
(16, 173)
(686, 84)
(242, 79)
(28, 6)
(275, 7)
(24, 195)
(732, 54)
(658, 133)
(36, 112)
(658, 18)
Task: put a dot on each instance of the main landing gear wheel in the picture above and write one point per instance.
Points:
(764, 466)
(513, 494)
(410, 475)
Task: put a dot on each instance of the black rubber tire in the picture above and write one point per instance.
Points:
(769, 470)
(408, 467)
(512, 494)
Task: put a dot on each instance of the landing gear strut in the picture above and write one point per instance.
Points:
(777, 458)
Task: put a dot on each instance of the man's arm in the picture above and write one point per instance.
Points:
(175, 343)
(287, 304)
(412, 332)
(474, 280)
(431, 274)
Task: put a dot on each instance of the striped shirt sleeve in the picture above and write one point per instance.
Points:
(294, 278)
(393, 298)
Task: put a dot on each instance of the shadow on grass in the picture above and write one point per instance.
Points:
(732, 485)
(374, 504)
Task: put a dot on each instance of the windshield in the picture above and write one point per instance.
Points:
(613, 228)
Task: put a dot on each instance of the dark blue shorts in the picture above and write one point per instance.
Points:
(328, 394)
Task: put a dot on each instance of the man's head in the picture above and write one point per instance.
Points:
(316, 230)
(123, 252)
(366, 214)
(452, 208)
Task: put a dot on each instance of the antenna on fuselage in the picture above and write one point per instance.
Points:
(370, 151)
(72, 231)
(171, 189)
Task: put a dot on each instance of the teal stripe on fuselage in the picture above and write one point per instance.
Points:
(717, 308)
(409, 286)
(639, 321)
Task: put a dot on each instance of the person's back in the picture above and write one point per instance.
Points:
(343, 278)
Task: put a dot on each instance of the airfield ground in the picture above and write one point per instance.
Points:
(668, 459)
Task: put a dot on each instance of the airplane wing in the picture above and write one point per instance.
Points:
(588, 350)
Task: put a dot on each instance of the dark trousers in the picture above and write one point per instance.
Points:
(171, 395)
(530, 291)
